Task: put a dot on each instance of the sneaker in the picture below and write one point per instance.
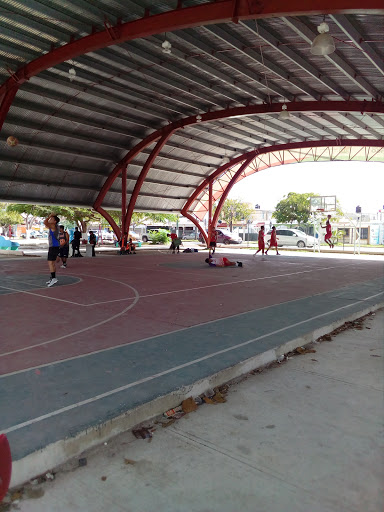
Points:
(52, 281)
(239, 264)
(63, 266)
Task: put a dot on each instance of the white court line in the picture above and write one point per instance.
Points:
(42, 296)
(229, 283)
(135, 300)
(209, 322)
(175, 368)
(137, 297)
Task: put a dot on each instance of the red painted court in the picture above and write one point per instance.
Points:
(108, 301)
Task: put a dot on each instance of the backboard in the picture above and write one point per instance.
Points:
(323, 203)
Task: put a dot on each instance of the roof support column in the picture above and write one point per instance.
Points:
(210, 204)
(109, 219)
(229, 186)
(123, 197)
(140, 180)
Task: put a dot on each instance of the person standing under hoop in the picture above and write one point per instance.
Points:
(328, 232)
(273, 241)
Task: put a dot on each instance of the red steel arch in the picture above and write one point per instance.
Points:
(222, 11)
(373, 107)
(230, 176)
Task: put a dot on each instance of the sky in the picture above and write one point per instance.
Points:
(353, 183)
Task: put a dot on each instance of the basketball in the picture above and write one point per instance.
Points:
(12, 141)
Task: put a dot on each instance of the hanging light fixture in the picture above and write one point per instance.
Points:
(323, 44)
(166, 45)
(71, 74)
(284, 114)
(198, 118)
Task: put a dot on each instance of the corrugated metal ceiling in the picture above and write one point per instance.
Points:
(73, 130)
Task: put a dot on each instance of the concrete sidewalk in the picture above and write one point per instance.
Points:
(301, 436)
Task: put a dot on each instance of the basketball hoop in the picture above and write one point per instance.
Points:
(321, 210)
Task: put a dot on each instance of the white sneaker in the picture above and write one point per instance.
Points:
(63, 266)
(52, 281)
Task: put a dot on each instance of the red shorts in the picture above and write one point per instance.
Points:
(328, 236)
(226, 262)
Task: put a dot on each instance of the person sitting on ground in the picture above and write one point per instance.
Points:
(131, 247)
(222, 262)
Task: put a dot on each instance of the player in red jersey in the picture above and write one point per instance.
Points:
(273, 241)
(328, 232)
(212, 243)
(260, 241)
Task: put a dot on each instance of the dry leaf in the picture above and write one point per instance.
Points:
(189, 405)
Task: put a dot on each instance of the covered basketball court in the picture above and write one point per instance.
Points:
(98, 111)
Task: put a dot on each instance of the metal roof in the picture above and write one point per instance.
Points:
(89, 103)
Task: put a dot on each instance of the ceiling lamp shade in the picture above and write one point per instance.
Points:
(323, 44)
(166, 45)
(284, 114)
(198, 118)
(71, 74)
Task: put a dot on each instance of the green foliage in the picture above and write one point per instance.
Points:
(30, 212)
(159, 237)
(293, 208)
(8, 217)
(235, 210)
(153, 218)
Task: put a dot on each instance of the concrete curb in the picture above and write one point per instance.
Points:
(62, 451)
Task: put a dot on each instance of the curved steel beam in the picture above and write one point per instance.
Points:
(372, 107)
(125, 222)
(270, 149)
(223, 11)
(224, 196)
(196, 223)
(109, 219)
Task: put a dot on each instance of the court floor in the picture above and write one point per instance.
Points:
(119, 331)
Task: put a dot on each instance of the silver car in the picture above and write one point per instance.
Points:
(293, 237)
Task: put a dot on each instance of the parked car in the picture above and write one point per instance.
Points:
(108, 237)
(292, 237)
(190, 235)
(225, 237)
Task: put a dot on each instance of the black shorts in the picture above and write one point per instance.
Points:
(53, 253)
(212, 244)
(64, 251)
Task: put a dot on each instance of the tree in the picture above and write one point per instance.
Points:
(29, 213)
(235, 210)
(293, 208)
(8, 217)
(155, 218)
(78, 216)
